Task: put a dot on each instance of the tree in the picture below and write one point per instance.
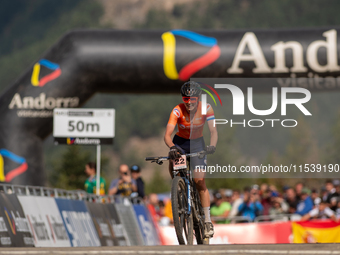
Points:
(158, 184)
(69, 171)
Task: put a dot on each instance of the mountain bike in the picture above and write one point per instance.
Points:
(186, 205)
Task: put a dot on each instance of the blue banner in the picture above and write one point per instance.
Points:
(78, 222)
(146, 225)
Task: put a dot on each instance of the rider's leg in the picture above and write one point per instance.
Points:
(199, 178)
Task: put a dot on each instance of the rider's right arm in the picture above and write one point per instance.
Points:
(167, 137)
(174, 115)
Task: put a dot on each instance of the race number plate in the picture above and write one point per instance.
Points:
(180, 163)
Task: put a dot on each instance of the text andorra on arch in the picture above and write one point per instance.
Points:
(41, 102)
(249, 40)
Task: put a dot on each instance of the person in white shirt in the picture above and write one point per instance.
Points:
(321, 211)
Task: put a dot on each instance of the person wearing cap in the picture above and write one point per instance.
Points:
(306, 203)
(220, 208)
(135, 174)
(331, 192)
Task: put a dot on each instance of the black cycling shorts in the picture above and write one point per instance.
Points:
(191, 146)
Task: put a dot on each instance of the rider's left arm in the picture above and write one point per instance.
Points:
(213, 133)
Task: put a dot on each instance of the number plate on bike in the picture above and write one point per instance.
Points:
(180, 163)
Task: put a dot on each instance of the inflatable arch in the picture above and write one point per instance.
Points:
(88, 61)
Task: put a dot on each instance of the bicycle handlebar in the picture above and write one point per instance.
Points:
(159, 160)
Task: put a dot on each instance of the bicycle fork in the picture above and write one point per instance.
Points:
(187, 182)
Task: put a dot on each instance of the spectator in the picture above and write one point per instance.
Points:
(291, 200)
(251, 207)
(91, 181)
(279, 206)
(220, 208)
(124, 185)
(153, 207)
(236, 200)
(314, 195)
(336, 184)
(321, 211)
(135, 174)
(334, 203)
(263, 188)
(298, 190)
(331, 192)
(168, 210)
(337, 212)
(273, 190)
(227, 195)
(163, 220)
(306, 204)
(266, 201)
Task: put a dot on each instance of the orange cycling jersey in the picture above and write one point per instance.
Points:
(190, 129)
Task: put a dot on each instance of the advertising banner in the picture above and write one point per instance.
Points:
(146, 225)
(316, 232)
(117, 226)
(45, 221)
(242, 233)
(102, 224)
(13, 219)
(78, 222)
(128, 218)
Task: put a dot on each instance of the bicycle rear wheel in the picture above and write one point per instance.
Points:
(198, 219)
(182, 220)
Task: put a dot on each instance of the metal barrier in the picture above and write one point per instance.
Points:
(280, 217)
(235, 219)
(262, 218)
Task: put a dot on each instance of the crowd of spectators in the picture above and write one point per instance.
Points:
(266, 200)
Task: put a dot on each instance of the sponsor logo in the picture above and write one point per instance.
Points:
(35, 81)
(40, 106)
(169, 53)
(84, 141)
(80, 228)
(14, 172)
(181, 126)
(10, 220)
(42, 102)
(177, 113)
(70, 140)
(249, 41)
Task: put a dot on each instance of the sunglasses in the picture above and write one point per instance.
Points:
(191, 99)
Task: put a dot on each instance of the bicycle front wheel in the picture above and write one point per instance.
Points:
(182, 220)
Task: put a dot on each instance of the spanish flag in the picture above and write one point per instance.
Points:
(316, 232)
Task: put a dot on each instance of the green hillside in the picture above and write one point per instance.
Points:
(29, 28)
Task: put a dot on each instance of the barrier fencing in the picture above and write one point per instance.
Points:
(46, 217)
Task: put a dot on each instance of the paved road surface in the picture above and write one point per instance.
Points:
(259, 249)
